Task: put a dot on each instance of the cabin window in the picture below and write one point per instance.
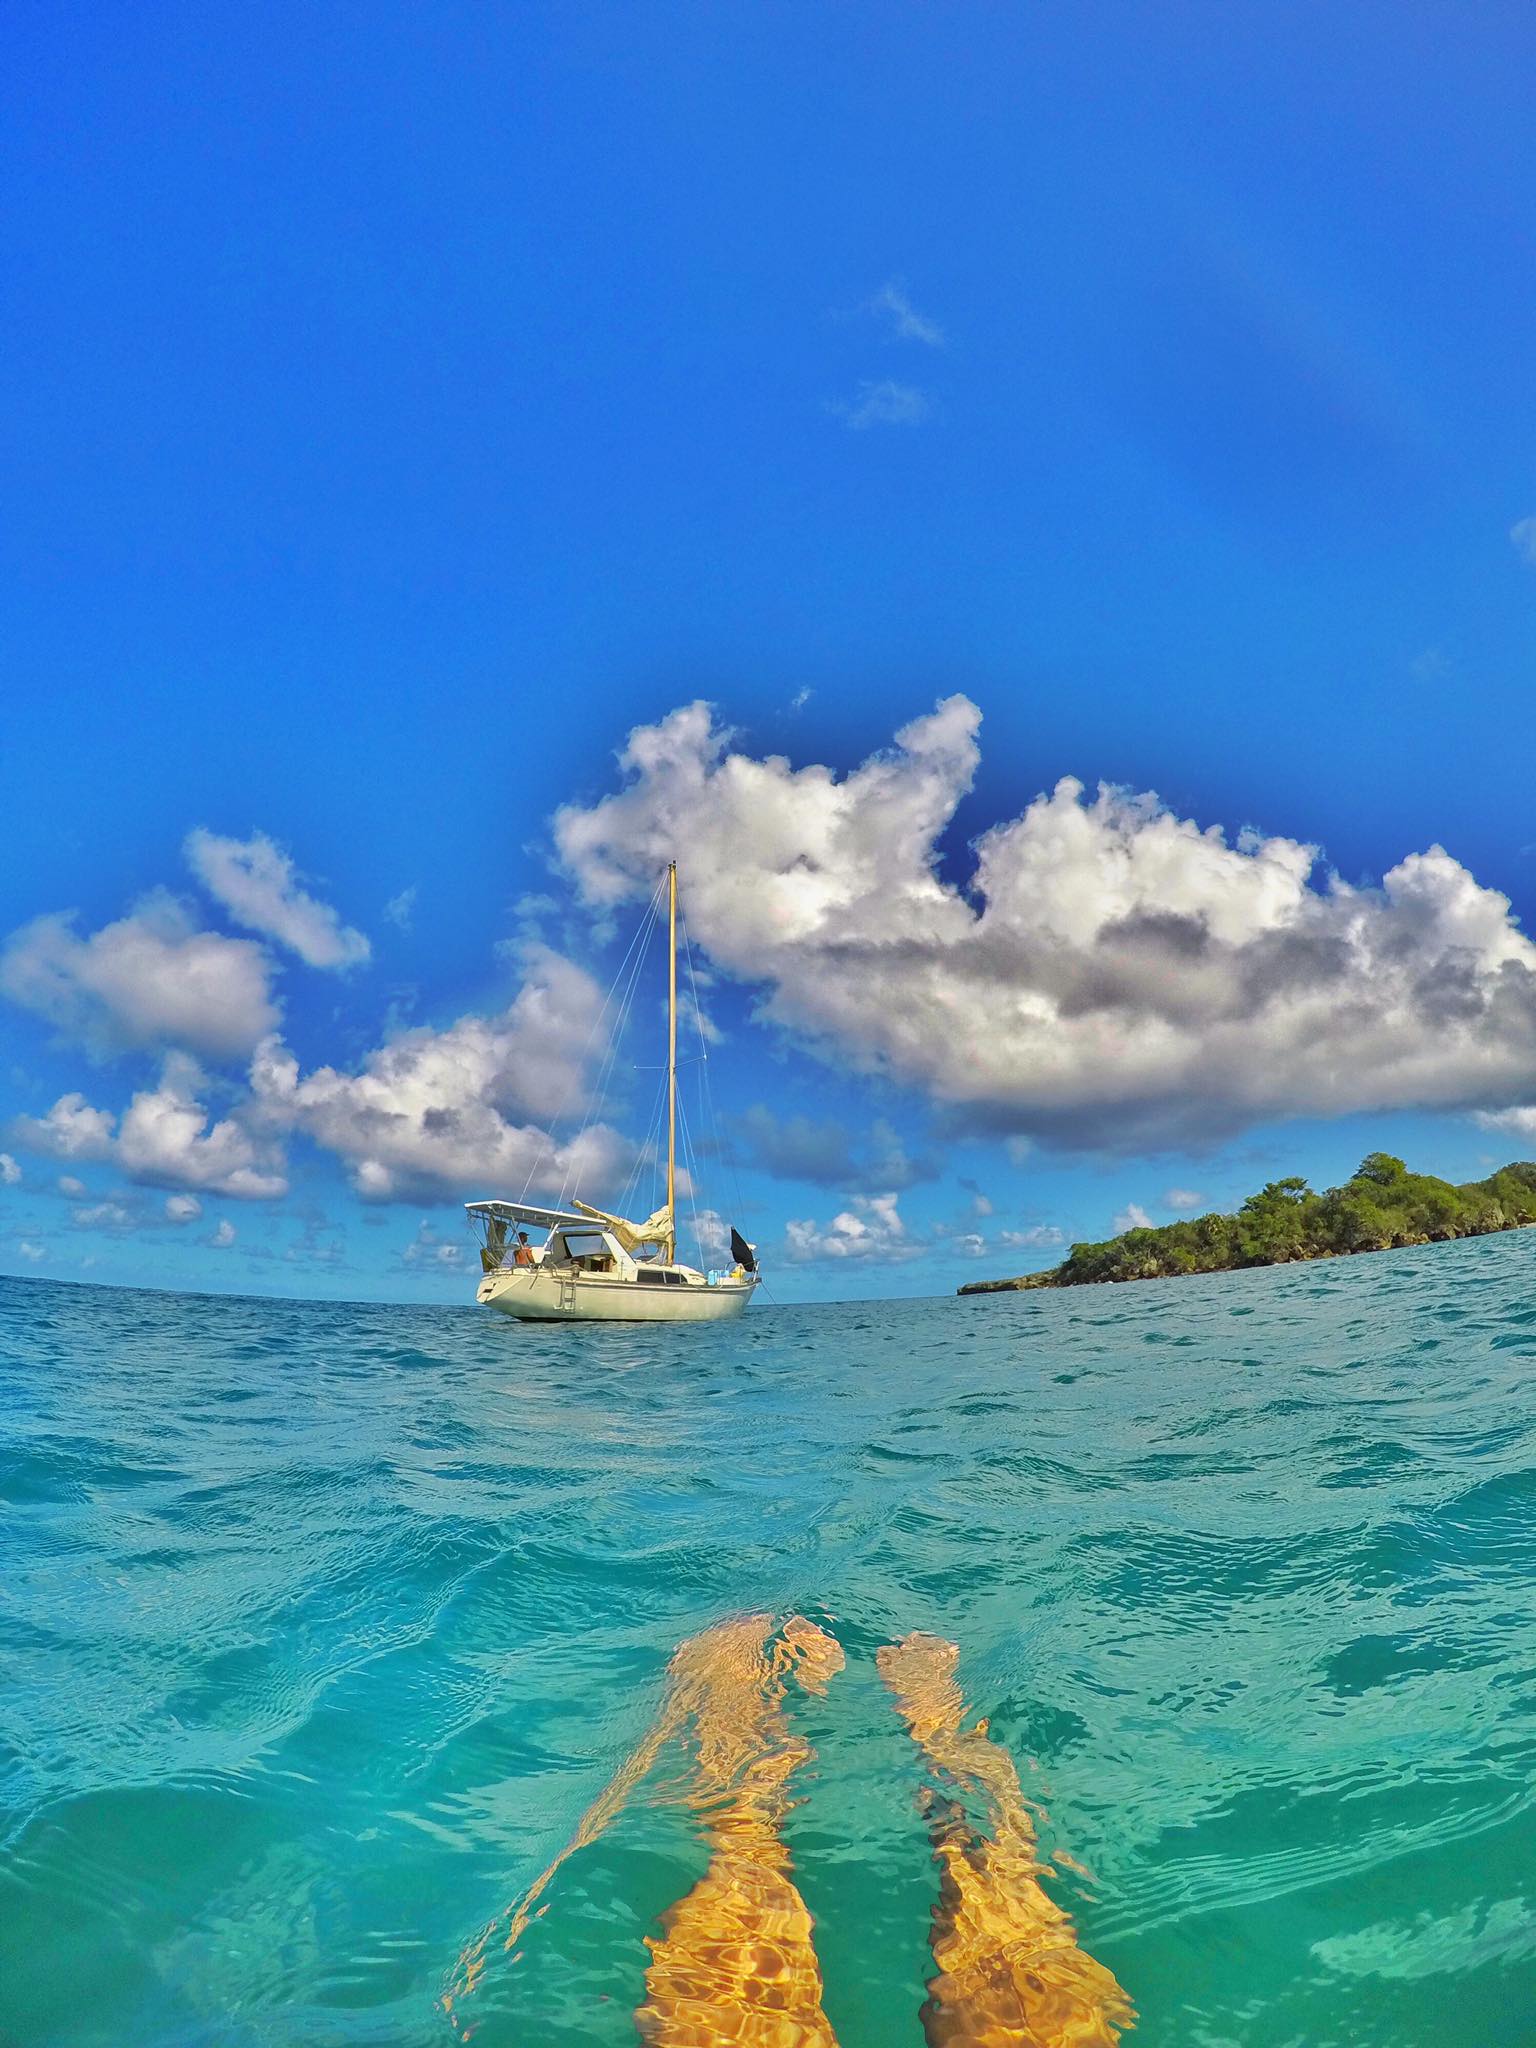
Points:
(648, 1277)
(588, 1250)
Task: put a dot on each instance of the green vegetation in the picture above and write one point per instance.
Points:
(1383, 1206)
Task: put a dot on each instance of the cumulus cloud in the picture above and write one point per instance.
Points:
(31, 1250)
(258, 885)
(1523, 535)
(1519, 1120)
(166, 1138)
(10, 1172)
(74, 1189)
(152, 978)
(882, 402)
(1109, 975)
(466, 1107)
(426, 1248)
(72, 1129)
(1182, 1198)
(871, 1229)
(114, 1217)
(712, 1232)
(1132, 1217)
(129, 1210)
(1038, 1237)
(223, 1236)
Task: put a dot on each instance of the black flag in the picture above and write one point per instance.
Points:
(741, 1251)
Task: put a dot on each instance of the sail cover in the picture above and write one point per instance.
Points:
(742, 1252)
(656, 1229)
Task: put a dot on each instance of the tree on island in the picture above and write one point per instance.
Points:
(1380, 1207)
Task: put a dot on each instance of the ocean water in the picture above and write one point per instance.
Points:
(321, 1625)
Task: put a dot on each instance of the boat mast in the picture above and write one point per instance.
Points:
(671, 1061)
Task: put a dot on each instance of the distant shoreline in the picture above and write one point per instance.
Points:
(1383, 1207)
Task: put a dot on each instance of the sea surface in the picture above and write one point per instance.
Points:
(321, 1625)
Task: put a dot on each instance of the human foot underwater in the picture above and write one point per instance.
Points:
(735, 1960)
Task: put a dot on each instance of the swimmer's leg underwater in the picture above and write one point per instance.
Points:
(1008, 1969)
(734, 1960)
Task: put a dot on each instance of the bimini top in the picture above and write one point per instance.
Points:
(533, 1213)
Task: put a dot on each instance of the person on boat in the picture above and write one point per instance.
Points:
(523, 1256)
(735, 1960)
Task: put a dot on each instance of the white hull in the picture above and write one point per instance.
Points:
(535, 1296)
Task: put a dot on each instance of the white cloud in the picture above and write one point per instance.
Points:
(901, 318)
(870, 1229)
(713, 1233)
(1109, 975)
(10, 1172)
(401, 909)
(1132, 1217)
(72, 1129)
(1038, 1237)
(183, 1208)
(152, 978)
(1523, 535)
(258, 885)
(1182, 1198)
(30, 1250)
(463, 1108)
(74, 1189)
(114, 1216)
(883, 402)
(1521, 1120)
(428, 1249)
(224, 1235)
(166, 1138)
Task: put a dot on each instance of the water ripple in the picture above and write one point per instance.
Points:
(321, 1625)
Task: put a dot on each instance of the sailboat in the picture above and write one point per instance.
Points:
(595, 1267)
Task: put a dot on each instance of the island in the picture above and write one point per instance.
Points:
(1381, 1207)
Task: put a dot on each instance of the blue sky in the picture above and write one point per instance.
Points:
(400, 411)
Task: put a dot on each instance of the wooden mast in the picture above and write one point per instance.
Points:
(671, 1061)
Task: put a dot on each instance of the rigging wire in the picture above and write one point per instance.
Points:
(647, 1155)
(577, 1071)
(639, 947)
(715, 1130)
(691, 1167)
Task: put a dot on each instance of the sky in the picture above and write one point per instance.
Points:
(1033, 508)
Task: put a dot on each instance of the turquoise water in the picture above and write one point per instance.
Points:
(320, 1626)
